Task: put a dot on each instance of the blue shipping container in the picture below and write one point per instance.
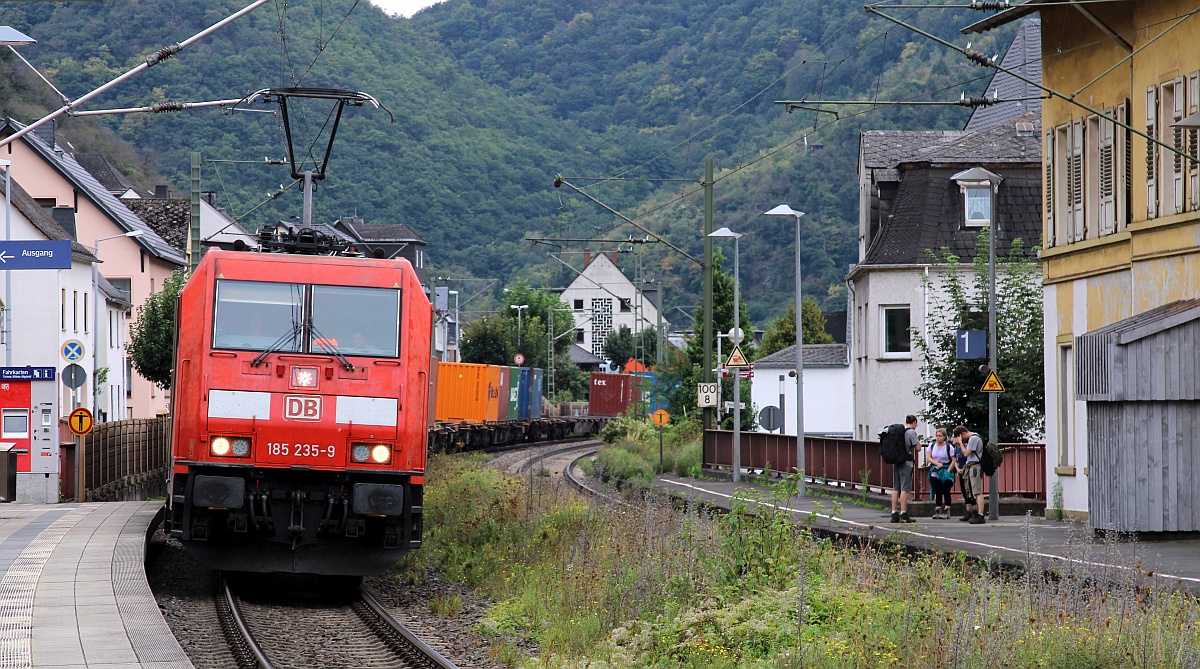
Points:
(535, 394)
(523, 396)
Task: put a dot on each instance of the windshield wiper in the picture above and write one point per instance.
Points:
(288, 336)
(327, 344)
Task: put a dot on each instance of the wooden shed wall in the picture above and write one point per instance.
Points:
(1144, 465)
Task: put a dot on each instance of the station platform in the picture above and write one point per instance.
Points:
(1172, 561)
(73, 591)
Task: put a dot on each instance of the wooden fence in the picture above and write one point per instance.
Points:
(855, 463)
(127, 460)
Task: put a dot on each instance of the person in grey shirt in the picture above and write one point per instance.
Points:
(902, 474)
(972, 445)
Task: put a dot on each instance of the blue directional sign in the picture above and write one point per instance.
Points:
(971, 344)
(46, 254)
(27, 373)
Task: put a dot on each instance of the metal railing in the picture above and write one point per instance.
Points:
(855, 463)
(127, 460)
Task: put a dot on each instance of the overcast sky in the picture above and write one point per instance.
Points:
(402, 7)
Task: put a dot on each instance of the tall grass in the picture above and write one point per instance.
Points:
(599, 585)
(632, 452)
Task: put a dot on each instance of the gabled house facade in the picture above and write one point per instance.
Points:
(910, 206)
(88, 212)
(602, 299)
(1121, 262)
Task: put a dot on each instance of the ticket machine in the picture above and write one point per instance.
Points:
(29, 437)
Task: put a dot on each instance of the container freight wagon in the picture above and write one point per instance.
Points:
(482, 406)
(612, 394)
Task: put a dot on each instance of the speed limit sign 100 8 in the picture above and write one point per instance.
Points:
(706, 396)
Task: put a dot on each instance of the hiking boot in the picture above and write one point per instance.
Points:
(905, 519)
(977, 520)
(895, 516)
(967, 518)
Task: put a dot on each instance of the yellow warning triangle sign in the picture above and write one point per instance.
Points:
(992, 383)
(737, 358)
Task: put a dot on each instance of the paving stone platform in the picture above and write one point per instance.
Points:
(74, 595)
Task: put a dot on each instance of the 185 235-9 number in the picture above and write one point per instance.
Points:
(301, 450)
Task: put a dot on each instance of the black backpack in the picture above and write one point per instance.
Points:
(990, 458)
(891, 445)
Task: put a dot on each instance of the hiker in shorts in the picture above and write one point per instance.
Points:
(971, 446)
(902, 474)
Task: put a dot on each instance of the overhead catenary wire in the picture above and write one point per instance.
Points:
(151, 60)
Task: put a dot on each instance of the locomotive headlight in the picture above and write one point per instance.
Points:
(224, 447)
(380, 454)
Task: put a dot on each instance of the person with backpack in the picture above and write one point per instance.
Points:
(896, 444)
(940, 455)
(972, 447)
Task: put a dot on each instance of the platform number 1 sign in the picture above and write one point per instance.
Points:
(706, 396)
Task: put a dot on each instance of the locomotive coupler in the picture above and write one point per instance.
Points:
(296, 526)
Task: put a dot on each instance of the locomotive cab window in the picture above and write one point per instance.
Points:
(254, 315)
(357, 321)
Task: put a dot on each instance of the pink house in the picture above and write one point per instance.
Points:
(88, 212)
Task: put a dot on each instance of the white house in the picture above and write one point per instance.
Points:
(112, 396)
(603, 299)
(828, 388)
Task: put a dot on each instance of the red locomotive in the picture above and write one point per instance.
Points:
(301, 406)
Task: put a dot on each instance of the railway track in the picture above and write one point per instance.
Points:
(322, 628)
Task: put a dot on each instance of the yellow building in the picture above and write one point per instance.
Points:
(1121, 226)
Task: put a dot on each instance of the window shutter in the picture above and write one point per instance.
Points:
(1124, 167)
(1193, 138)
(1048, 188)
(1151, 151)
(1177, 166)
(1077, 227)
(1107, 174)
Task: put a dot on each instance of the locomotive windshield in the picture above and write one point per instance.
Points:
(254, 315)
(261, 316)
(358, 321)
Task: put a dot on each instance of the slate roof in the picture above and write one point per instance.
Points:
(105, 172)
(881, 149)
(44, 222)
(582, 356)
(169, 217)
(927, 214)
(815, 355)
(112, 293)
(1024, 56)
(381, 232)
(88, 186)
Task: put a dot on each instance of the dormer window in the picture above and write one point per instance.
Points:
(978, 203)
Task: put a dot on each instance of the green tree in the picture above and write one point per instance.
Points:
(619, 347)
(151, 344)
(488, 341)
(958, 301)
(781, 332)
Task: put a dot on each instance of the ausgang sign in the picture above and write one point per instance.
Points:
(46, 254)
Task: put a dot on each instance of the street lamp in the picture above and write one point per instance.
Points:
(520, 309)
(980, 189)
(10, 37)
(96, 314)
(726, 233)
(457, 326)
(784, 210)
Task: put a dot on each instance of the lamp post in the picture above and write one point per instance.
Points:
(457, 327)
(784, 210)
(520, 309)
(96, 313)
(9, 37)
(980, 189)
(726, 233)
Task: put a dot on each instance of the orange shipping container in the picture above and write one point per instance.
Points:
(462, 392)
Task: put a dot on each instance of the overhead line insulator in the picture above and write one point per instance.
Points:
(163, 54)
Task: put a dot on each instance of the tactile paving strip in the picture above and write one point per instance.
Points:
(149, 634)
(19, 585)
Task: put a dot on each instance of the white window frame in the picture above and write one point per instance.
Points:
(976, 222)
(5, 414)
(883, 332)
(1066, 406)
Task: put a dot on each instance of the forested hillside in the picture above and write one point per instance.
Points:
(492, 99)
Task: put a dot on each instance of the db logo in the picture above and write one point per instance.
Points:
(301, 407)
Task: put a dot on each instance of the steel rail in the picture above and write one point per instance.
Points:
(239, 637)
(429, 657)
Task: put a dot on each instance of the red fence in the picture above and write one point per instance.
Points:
(855, 463)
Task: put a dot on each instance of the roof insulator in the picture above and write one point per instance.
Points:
(163, 54)
(983, 60)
